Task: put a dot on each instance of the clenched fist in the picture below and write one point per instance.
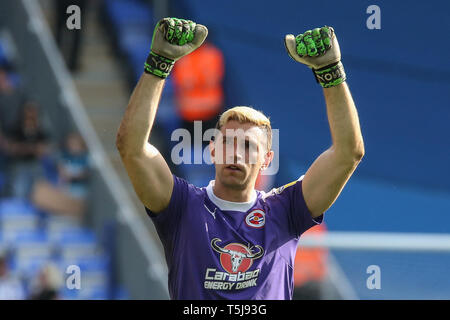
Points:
(319, 50)
(172, 39)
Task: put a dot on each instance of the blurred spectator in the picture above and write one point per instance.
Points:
(11, 287)
(6, 84)
(47, 284)
(310, 269)
(69, 41)
(198, 80)
(73, 166)
(10, 99)
(27, 145)
(66, 194)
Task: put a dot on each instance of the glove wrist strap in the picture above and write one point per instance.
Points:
(331, 75)
(158, 65)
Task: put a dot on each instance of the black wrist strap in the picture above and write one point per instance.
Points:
(158, 65)
(331, 75)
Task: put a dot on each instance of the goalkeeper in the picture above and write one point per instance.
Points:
(228, 240)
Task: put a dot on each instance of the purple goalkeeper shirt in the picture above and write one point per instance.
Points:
(217, 249)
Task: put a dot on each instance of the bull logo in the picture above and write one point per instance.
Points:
(235, 257)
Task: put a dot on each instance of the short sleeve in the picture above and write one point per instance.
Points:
(299, 216)
(167, 221)
(302, 217)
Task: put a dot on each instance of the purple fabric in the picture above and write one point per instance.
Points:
(214, 254)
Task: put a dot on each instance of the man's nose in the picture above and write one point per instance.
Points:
(236, 154)
(239, 152)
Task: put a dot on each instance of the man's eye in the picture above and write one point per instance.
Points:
(250, 145)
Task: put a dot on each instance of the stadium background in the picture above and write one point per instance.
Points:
(399, 77)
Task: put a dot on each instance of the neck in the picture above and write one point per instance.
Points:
(235, 195)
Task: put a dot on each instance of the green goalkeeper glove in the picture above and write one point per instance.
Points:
(172, 39)
(319, 50)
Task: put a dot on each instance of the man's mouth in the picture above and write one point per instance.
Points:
(234, 168)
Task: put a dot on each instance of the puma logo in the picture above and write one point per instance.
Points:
(213, 213)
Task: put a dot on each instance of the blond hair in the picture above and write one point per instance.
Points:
(243, 114)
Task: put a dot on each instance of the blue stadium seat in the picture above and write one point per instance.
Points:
(78, 235)
(30, 251)
(11, 206)
(62, 232)
(37, 236)
(56, 226)
(77, 244)
(3, 56)
(122, 12)
(12, 225)
(17, 215)
(17, 226)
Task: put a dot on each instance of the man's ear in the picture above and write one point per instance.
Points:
(268, 157)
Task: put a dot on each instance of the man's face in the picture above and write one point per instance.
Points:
(239, 152)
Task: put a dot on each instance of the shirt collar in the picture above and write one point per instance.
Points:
(225, 205)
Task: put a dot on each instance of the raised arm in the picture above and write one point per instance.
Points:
(147, 169)
(327, 176)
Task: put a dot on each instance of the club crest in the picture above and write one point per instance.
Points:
(256, 219)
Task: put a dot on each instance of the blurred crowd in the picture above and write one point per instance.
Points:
(28, 155)
(46, 285)
(50, 174)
